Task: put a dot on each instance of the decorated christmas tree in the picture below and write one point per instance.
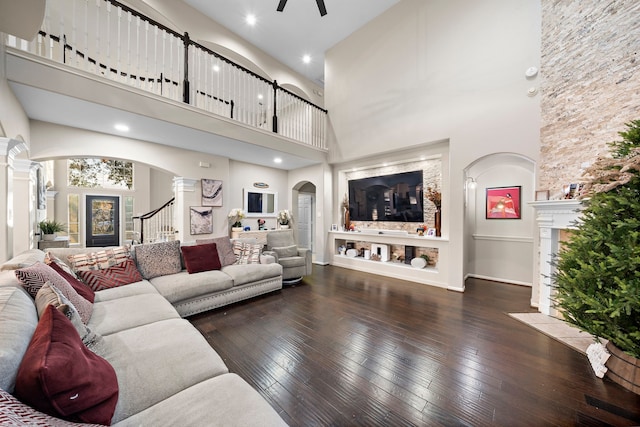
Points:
(598, 270)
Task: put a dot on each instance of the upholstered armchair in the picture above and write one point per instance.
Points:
(295, 261)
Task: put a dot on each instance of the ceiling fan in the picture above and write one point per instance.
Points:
(320, 3)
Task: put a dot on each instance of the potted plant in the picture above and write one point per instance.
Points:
(597, 281)
(284, 216)
(49, 228)
(236, 216)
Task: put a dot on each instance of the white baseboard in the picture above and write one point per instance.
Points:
(498, 279)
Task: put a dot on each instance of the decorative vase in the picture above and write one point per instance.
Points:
(284, 226)
(347, 221)
(438, 222)
(623, 369)
(236, 228)
(49, 237)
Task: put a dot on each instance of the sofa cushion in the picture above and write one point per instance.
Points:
(139, 288)
(85, 390)
(201, 258)
(286, 251)
(17, 414)
(35, 276)
(242, 274)
(112, 277)
(183, 286)
(101, 259)
(24, 259)
(225, 249)
(18, 320)
(292, 261)
(158, 360)
(236, 403)
(158, 259)
(247, 253)
(130, 312)
(81, 288)
(49, 295)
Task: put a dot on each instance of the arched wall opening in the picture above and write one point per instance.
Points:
(502, 248)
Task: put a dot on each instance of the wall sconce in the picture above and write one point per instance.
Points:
(48, 185)
(470, 183)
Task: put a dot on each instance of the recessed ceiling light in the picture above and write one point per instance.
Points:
(251, 19)
(306, 59)
(121, 127)
(277, 160)
(260, 96)
(216, 68)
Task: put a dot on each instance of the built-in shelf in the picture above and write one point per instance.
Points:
(431, 275)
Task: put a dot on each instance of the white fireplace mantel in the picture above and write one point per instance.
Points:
(552, 216)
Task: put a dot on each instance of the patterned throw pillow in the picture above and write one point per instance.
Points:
(51, 260)
(17, 414)
(49, 295)
(35, 276)
(247, 253)
(100, 259)
(158, 259)
(112, 277)
(83, 290)
(85, 390)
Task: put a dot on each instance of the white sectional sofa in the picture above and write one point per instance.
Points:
(167, 373)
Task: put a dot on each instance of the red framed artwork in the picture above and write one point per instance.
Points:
(504, 203)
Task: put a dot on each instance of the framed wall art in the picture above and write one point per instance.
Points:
(504, 202)
(201, 219)
(211, 192)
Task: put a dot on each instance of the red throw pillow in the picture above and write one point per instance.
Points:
(82, 289)
(112, 277)
(59, 376)
(201, 258)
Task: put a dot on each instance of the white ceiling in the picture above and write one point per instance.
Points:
(298, 30)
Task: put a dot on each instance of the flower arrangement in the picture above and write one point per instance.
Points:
(284, 216)
(236, 216)
(434, 196)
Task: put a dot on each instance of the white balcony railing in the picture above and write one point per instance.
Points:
(109, 39)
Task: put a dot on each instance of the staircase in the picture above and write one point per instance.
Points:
(155, 226)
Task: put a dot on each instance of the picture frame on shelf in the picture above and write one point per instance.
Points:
(201, 220)
(431, 232)
(542, 195)
(504, 202)
(334, 227)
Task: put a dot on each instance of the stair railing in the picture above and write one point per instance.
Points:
(116, 42)
(156, 225)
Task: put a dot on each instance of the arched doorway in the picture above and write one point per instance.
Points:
(305, 194)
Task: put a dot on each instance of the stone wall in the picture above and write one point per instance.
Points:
(590, 72)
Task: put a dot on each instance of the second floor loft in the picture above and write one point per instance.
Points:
(106, 55)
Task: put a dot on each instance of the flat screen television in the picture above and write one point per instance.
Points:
(396, 197)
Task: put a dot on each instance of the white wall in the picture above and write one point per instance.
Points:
(438, 70)
(244, 175)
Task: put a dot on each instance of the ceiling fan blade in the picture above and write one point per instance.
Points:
(281, 5)
(321, 7)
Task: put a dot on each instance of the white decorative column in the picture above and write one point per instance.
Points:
(24, 204)
(9, 150)
(552, 216)
(184, 190)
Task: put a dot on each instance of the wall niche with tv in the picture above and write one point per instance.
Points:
(396, 197)
(393, 197)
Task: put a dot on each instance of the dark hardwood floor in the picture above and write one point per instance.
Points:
(347, 348)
